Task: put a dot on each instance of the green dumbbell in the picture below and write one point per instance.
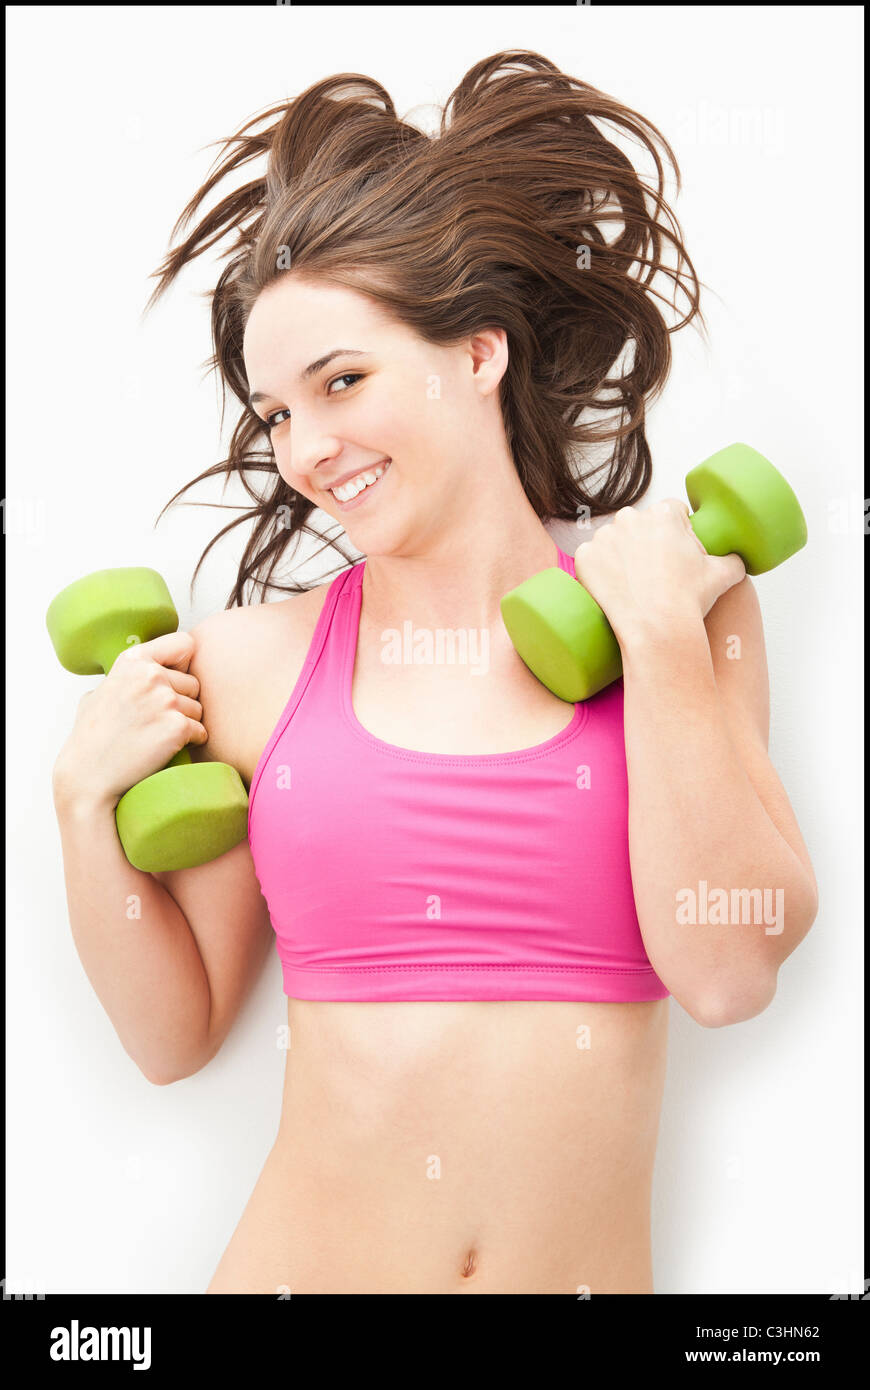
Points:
(741, 505)
(188, 813)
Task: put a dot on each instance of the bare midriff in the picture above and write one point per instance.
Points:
(478, 1147)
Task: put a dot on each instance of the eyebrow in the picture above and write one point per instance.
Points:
(312, 369)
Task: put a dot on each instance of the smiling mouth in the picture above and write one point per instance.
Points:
(364, 482)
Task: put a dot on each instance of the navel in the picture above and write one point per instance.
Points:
(470, 1264)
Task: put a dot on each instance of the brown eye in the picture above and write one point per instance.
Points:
(270, 421)
(347, 376)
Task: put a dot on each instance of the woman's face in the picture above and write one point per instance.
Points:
(385, 400)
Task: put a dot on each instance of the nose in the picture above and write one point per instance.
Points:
(312, 462)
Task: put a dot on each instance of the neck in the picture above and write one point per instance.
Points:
(458, 577)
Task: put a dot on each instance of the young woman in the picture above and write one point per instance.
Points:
(470, 883)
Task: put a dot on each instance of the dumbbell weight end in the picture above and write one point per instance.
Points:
(742, 505)
(173, 821)
(554, 624)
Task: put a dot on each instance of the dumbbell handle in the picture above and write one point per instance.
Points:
(108, 648)
(742, 505)
(712, 530)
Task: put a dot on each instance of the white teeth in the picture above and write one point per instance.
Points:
(354, 486)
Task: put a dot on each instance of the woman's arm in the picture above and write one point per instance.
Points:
(707, 810)
(170, 955)
(132, 938)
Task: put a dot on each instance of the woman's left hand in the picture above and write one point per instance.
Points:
(648, 567)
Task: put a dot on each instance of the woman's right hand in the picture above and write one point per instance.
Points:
(139, 716)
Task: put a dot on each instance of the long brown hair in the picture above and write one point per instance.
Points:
(481, 226)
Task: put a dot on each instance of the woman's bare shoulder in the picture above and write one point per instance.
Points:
(247, 660)
(220, 634)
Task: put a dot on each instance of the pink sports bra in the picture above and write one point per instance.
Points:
(393, 874)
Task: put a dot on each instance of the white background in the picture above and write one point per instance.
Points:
(118, 1185)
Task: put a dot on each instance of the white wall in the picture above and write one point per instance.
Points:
(120, 1186)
